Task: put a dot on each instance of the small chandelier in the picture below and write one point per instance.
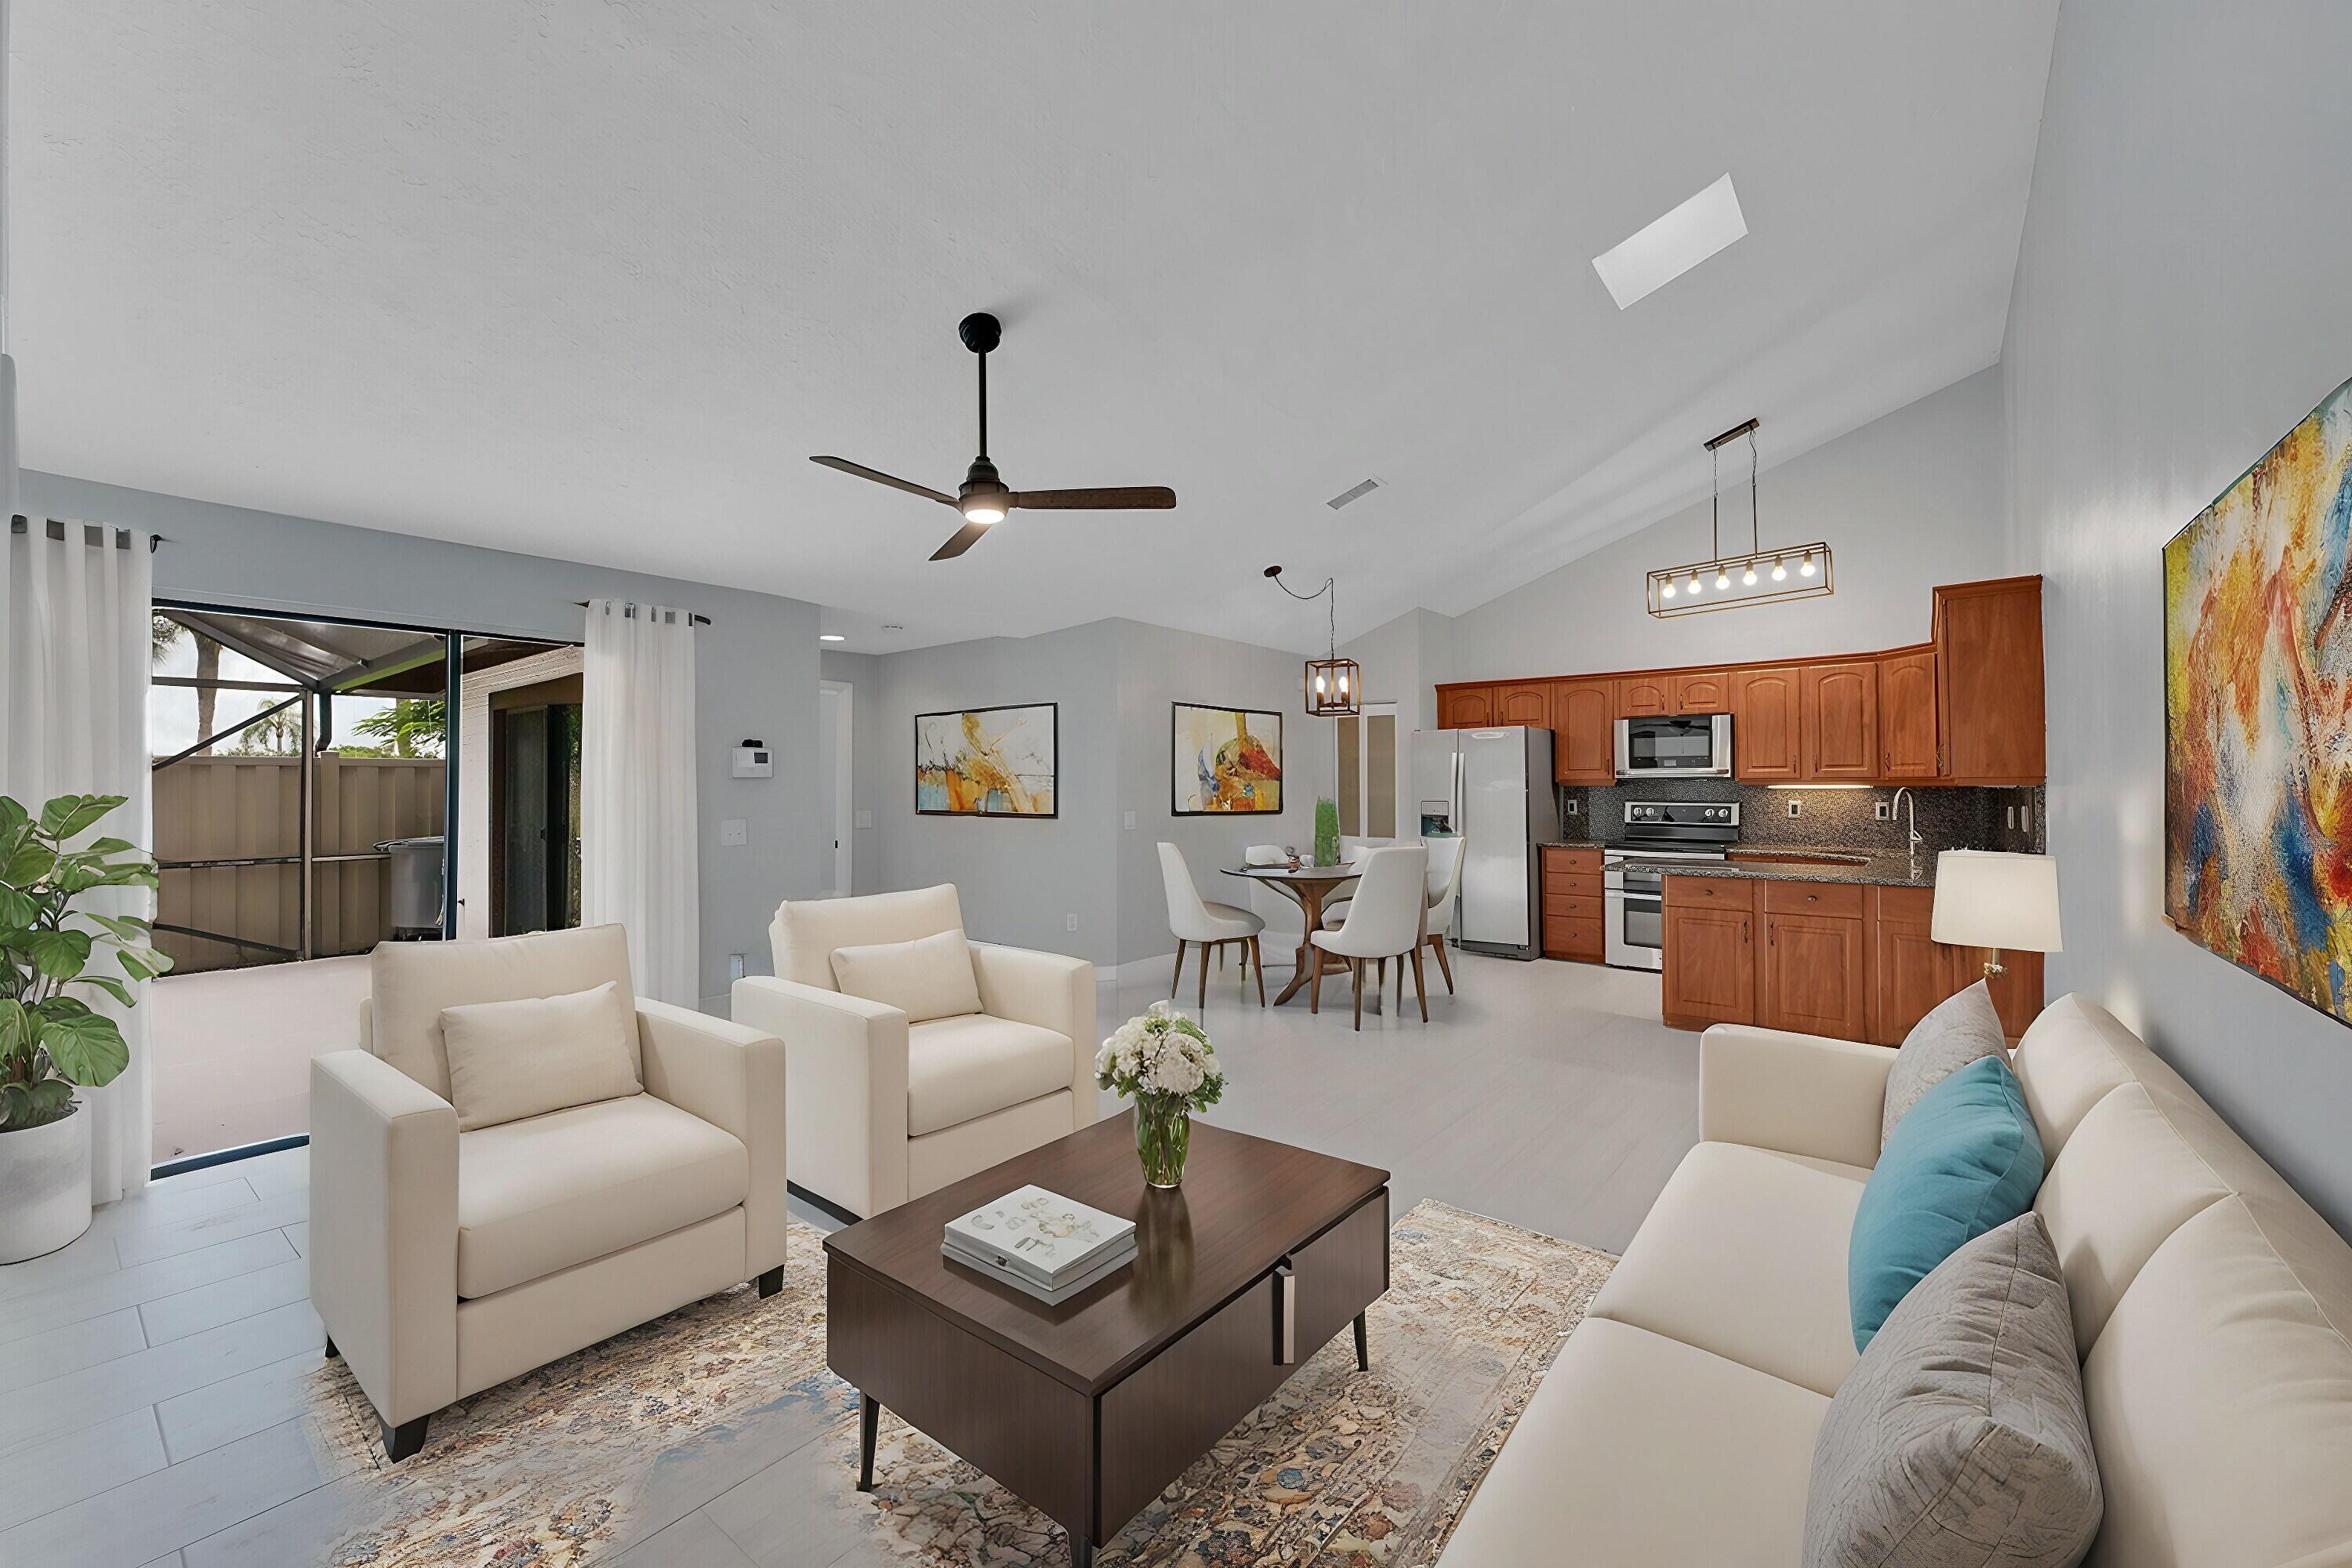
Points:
(1335, 686)
(1759, 576)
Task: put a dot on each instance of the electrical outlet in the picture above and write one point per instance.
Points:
(734, 967)
(1795, 809)
(1069, 922)
(1130, 822)
(733, 830)
(2009, 815)
(1883, 810)
(1574, 806)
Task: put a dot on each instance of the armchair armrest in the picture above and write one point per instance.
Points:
(732, 1077)
(384, 1230)
(1052, 992)
(845, 1106)
(1800, 1094)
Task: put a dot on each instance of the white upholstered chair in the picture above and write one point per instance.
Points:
(1444, 886)
(1197, 922)
(442, 1261)
(883, 1107)
(1385, 920)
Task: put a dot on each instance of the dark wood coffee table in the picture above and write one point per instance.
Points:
(1090, 1409)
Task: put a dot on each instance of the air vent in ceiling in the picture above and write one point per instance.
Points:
(1353, 492)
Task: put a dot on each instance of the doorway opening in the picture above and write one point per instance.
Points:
(1364, 771)
(834, 754)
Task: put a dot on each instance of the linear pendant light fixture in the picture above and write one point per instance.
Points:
(1755, 576)
(1335, 686)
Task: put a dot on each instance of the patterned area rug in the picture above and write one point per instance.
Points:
(1338, 1468)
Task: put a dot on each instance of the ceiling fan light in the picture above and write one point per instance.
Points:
(982, 510)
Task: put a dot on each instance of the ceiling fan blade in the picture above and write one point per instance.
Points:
(1129, 496)
(879, 478)
(963, 538)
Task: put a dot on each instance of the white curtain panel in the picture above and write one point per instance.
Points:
(637, 824)
(74, 618)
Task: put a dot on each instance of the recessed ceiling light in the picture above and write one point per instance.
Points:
(1672, 246)
(831, 637)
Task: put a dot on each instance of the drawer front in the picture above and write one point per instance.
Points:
(1573, 939)
(1844, 898)
(1579, 884)
(1711, 892)
(1574, 857)
(1572, 907)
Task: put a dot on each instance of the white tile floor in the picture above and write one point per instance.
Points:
(150, 1372)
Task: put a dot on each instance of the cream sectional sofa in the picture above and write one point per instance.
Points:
(2211, 1305)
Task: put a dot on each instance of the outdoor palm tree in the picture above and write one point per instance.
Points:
(166, 632)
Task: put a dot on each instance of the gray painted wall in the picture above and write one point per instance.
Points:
(2179, 305)
(756, 664)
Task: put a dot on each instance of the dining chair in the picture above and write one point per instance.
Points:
(1385, 920)
(1444, 884)
(1196, 921)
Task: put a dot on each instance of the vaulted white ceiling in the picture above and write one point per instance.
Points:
(593, 281)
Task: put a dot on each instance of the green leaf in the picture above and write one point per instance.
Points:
(133, 966)
(71, 814)
(111, 986)
(28, 865)
(125, 928)
(59, 955)
(85, 1047)
(15, 908)
(109, 847)
(50, 1096)
(150, 962)
(15, 1105)
(12, 816)
(15, 1031)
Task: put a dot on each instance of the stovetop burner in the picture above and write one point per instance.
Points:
(1679, 827)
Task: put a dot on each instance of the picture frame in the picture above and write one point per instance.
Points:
(1002, 762)
(1224, 760)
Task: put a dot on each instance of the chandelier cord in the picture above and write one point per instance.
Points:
(1755, 530)
(1331, 587)
(1715, 500)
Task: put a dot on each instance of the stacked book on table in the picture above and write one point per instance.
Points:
(1040, 1242)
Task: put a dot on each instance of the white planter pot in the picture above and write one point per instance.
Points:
(44, 1186)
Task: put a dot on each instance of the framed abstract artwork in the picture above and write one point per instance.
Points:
(2258, 716)
(988, 761)
(1224, 761)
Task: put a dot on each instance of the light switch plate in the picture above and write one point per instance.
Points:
(1070, 922)
(865, 819)
(1881, 810)
(734, 830)
(1795, 809)
(1131, 821)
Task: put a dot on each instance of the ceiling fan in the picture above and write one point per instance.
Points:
(982, 497)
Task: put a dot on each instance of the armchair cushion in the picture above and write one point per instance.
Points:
(548, 1192)
(805, 931)
(525, 1058)
(929, 977)
(962, 1068)
(410, 982)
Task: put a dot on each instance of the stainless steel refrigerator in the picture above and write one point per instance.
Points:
(1493, 787)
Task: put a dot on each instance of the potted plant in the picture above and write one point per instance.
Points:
(51, 1040)
(1163, 1061)
(1327, 832)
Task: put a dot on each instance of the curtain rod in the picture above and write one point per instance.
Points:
(20, 523)
(629, 604)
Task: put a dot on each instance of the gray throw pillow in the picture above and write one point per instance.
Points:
(1959, 1438)
(1961, 1029)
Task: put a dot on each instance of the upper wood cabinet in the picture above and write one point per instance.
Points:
(1583, 732)
(1465, 707)
(1907, 719)
(1766, 730)
(1524, 702)
(1638, 694)
(1700, 691)
(1839, 722)
(1988, 643)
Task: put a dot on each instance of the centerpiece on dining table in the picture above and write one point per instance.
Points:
(1164, 1062)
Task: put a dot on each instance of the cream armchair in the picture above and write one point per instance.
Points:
(444, 1262)
(882, 1109)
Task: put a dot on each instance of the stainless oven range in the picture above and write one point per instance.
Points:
(1657, 835)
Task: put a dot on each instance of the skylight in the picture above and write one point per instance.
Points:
(1672, 246)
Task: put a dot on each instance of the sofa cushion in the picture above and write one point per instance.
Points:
(1964, 1160)
(2069, 1059)
(526, 1057)
(1955, 1031)
(410, 982)
(1744, 1254)
(1960, 1438)
(806, 931)
(958, 1069)
(1637, 1448)
(548, 1192)
(929, 978)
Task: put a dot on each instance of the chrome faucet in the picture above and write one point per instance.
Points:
(1904, 802)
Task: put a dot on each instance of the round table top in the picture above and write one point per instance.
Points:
(1301, 873)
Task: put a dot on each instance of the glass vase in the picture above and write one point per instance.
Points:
(1163, 1135)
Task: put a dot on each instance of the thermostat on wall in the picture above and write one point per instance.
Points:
(754, 761)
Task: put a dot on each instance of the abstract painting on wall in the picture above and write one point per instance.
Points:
(2258, 716)
(1225, 761)
(988, 761)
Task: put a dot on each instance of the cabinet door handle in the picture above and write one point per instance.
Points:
(1286, 1313)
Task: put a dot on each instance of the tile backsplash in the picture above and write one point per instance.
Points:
(1827, 818)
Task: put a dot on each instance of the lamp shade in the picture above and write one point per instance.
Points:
(1987, 898)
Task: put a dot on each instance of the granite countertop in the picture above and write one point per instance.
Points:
(1782, 863)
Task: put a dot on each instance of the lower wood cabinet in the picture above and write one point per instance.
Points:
(1710, 969)
(1572, 905)
(1912, 972)
(1810, 979)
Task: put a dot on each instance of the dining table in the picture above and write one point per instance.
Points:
(1312, 887)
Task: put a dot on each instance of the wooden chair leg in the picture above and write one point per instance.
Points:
(1382, 984)
(1356, 967)
(1179, 978)
(1420, 986)
(1258, 963)
(1202, 1004)
(1314, 980)
(1437, 941)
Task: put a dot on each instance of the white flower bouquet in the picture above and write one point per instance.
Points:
(1164, 1062)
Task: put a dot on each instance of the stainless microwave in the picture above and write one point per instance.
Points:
(1675, 745)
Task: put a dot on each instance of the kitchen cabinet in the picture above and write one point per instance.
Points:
(1710, 958)
(1766, 729)
(1465, 707)
(1524, 702)
(2016, 992)
(1584, 731)
(1700, 691)
(1911, 973)
(1639, 694)
(1839, 723)
(1572, 906)
(1810, 975)
(1989, 650)
(1908, 724)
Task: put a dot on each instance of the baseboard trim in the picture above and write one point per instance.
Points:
(823, 1205)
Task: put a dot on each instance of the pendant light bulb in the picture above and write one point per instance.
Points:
(1805, 568)
(1779, 570)
(1668, 591)
(1318, 683)
(1694, 583)
(1723, 579)
(1343, 683)
(1747, 578)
